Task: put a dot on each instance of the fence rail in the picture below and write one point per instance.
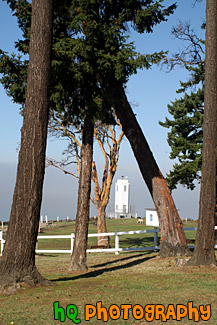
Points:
(116, 249)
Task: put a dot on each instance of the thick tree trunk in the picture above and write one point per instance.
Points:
(18, 261)
(215, 215)
(173, 241)
(78, 260)
(204, 249)
(101, 227)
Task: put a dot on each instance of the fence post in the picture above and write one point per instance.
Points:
(155, 237)
(2, 242)
(72, 242)
(116, 243)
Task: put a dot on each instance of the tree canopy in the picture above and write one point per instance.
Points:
(92, 60)
(90, 44)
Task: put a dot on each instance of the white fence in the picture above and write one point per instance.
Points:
(116, 249)
(2, 242)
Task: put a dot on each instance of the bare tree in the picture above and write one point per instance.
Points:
(192, 53)
(105, 134)
(109, 142)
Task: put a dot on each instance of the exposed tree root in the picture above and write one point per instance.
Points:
(13, 280)
(201, 260)
(168, 250)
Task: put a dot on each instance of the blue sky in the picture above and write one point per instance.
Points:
(149, 92)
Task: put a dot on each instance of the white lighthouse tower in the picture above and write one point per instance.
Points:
(122, 194)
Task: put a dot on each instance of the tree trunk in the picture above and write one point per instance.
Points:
(101, 227)
(173, 241)
(204, 253)
(78, 260)
(215, 215)
(18, 260)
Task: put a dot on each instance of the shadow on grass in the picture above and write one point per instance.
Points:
(45, 255)
(137, 242)
(118, 260)
(95, 273)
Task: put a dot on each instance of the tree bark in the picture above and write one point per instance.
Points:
(78, 260)
(173, 241)
(204, 253)
(215, 215)
(101, 226)
(18, 261)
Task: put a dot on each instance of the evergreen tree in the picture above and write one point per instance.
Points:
(91, 55)
(173, 241)
(186, 133)
(204, 253)
(185, 137)
(18, 261)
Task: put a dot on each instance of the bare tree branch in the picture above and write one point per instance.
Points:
(109, 146)
(193, 53)
(52, 162)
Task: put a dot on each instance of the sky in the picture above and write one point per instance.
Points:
(149, 93)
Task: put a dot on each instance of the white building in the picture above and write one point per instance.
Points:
(152, 218)
(122, 200)
(122, 193)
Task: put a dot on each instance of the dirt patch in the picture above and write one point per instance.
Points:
(198, 269)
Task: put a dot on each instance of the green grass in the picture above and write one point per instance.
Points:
(142, 240)
(66, 228)
(129, 278)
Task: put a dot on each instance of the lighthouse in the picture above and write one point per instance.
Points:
(122, 198)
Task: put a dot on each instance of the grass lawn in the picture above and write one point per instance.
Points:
(139, 278)
(143, 240)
